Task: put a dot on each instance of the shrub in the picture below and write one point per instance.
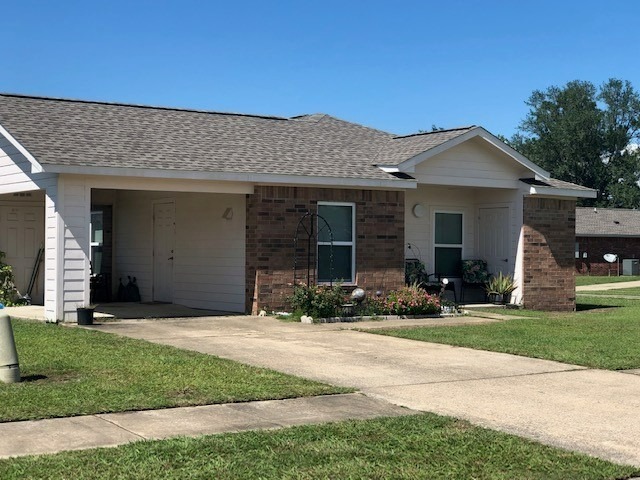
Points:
(317, 301)
(411, 300)
(8, 292)
(500, 285)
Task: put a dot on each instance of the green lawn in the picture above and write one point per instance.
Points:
(423, 446)
(72, 371)
(604, 333)
(588, 280)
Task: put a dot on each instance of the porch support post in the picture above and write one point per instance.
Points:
(68, 215)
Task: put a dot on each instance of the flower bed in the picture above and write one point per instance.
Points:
(329, 303)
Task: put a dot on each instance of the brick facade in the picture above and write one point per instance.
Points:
(596, 247)
(273, 214)
(548, 256)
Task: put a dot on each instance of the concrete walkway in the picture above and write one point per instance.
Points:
(581, 409)
(109, 430)
(608, 286)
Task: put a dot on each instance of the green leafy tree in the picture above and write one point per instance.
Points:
(585, 135)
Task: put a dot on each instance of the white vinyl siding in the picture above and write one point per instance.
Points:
(474, 163)
(209, 257)
(15, 171)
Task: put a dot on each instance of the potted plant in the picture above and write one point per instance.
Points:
(85, 314)
(499, 288)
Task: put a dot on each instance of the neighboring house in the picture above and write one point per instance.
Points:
(600, 231)
(202, 207)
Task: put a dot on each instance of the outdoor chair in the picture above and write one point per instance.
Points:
(474, 275)
(416, 273)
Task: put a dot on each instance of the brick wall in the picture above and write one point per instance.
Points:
(273, 214)
(596, 247)
(549, 263)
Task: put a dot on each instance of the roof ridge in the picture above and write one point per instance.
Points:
(326, 116)
(134, 105)
(468, 127)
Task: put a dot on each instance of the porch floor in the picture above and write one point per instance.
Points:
(123, 310)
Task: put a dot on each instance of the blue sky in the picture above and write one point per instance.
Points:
(397, 66)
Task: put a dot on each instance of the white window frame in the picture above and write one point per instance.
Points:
(91, 242)
(447, 245)
(351, 244)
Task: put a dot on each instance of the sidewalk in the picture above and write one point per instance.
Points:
(608, 286)
(108, 430)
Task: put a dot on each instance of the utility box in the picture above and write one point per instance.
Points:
(9, 368)
(631, 266)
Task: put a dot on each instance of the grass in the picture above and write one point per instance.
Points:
(582, 280)
(412, 447)
(71, 371)
(604, 333)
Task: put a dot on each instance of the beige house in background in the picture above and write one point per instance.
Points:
(201, 207)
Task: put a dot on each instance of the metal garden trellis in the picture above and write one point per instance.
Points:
(311, 225)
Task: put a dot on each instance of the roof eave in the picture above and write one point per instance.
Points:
(264, 178)
(537, 190)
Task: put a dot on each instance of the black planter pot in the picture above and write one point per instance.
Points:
(499, 299)
(85, 316)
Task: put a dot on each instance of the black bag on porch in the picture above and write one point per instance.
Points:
(130, 293)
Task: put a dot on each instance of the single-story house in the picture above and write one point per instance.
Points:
(602, 231)
(202, 208)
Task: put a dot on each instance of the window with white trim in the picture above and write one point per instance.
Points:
(448, 244)
(337, 263)
(97, 240)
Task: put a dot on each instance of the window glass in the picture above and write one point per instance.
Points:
(448, 261)
(341, 263)
(339, 218)
(449, 228)
(97, 227)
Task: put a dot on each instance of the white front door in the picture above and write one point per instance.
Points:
(163, 244)
(21, 236)
(494, 239)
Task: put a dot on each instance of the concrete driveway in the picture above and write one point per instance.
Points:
(592, 411)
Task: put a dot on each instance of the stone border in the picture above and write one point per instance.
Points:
(374, 318)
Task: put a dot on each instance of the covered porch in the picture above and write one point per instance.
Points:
(182, 241)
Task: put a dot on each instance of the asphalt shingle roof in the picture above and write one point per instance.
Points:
(75, 133)
(607, 222)
(79, 133)
(400, 149)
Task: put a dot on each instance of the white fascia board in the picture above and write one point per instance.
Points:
(262, 178)
(466, 182)
(607, 235)
(410, 164)
(561, 192)
(35, 165)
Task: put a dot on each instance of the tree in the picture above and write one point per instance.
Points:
(585, 135)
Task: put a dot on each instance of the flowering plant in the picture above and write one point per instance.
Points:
(411, 300)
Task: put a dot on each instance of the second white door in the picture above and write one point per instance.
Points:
(495, 238)
(164, 228)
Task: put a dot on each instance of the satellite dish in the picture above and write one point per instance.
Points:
(610, 257)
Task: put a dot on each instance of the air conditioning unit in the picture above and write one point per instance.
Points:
(631, 266)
